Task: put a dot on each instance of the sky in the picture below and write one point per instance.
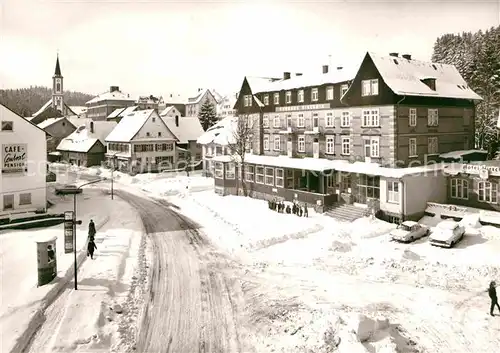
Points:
(162, 47)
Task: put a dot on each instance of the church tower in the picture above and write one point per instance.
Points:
(57, 89)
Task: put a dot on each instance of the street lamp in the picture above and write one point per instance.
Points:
(75, 222)
(113, 159)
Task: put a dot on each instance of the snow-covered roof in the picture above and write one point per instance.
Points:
(43, 108)
(222, 133)
(404, 77)
(127, 111)
(460, 154)
(82, 139)
(48, 122)
(322, 164)
(167, 110)
(197, 99)
(129, 126)
(115, 95)
(174, 98)
(115, 113)
(78, 110)
(189, 128)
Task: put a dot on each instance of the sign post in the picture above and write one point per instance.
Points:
(68, 232)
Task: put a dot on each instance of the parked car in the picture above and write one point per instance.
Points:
(68, 190)
(409, 231)
(447, 234)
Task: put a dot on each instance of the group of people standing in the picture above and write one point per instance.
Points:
(294, 208)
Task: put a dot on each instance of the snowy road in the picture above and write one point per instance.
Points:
(192, 305)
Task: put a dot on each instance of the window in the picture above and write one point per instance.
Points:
(345, 119)
(276, 98)
(266, 142)
(266, 99)
(289, 179)
(371, 117)
(8, 202)
(270, 176)
(259, 175)
(154, 119)
(432, 145)
(301, 121)
(7, 126)
(277, 121)
(265, 121)
(329, 93)
(230, 170)
(466, 142)
(159, 134)
(330, 144)
(459, 189)
(300, 96)
(249, 172)
(289, 121)
(148, 134)
(219, 170)
(288, 97)
(412, 147)
(413, 117)
(329, 119)
(393, 191)
(488, 191)
(369, 87)
(280, 178)
(315, 120)
(247, 100)
(371, 147)
(432, 117)
(314, 94)
(301, 143)
(343, 89)
(277, 140)
(346, 146)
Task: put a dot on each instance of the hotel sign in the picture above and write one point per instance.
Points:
(14, 158)
(481, 169)
(303, 107)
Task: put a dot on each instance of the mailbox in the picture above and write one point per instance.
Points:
(46, 260)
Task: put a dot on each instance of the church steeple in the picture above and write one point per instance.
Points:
(57, 88)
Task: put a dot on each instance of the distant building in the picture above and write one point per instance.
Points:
(99, 108)
(225, 107)
(178, 101)
(57, 129)
(194, 104)
(86, 145)
(23, 165)
(187, 130)
(56, 103)
(171, 111)
(142, 142)
(150, 102)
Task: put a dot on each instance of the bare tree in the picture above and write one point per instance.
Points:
(239, 144)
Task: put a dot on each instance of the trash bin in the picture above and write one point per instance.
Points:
(47, 260)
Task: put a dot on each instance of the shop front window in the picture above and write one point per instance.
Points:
(368, 187)
(459, 189)
(488, 192)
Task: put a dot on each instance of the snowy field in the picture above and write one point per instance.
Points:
(310, 279)
(109, 275)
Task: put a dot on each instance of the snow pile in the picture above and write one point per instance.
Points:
(369, 227)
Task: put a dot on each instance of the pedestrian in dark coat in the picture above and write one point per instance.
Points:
(90, 249)
(92, 230)
(300, 211)
(288, 209)
(492, 292)
(306, 212)
(294, 208)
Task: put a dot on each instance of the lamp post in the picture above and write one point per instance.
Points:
(113, 159)
(75, 222)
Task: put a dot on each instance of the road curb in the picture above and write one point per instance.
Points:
(38, 318)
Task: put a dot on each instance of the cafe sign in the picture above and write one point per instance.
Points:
(14, 158)
(481, 170)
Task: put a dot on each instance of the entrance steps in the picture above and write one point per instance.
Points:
(346, 213)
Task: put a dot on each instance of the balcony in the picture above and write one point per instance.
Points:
(315, 130)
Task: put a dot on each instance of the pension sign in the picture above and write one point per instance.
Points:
(14, 158)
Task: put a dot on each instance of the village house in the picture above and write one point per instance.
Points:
(56, 129)
(193, 105)
(187, 130)
(142, 142)
(23, 173)
(354, 137)
(98, 108)
(171, 111)
(86, 147)
(225, 107)
(150, 102)
(176, 100)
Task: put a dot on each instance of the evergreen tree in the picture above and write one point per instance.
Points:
(207, 115)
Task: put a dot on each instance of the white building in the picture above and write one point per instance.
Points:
(215, 142)
(170, 111)
(226, 105)
(194, 104)
(142, 142)
(24, 165)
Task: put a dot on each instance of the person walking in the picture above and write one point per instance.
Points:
(492, 292)
(90, 249)
(92, 230)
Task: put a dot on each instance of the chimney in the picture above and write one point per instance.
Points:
(298, 74)
(177, 120)
(407, 56)
(114, 88)
(430, 82)
(340, 67)
(325, 69)
(394, 54)
(286, 75)
(91, 127)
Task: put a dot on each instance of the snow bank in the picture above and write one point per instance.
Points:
(21, 299)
